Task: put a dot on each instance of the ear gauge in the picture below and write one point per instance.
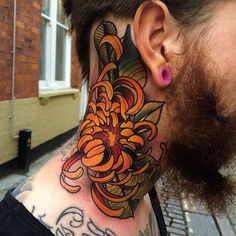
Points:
(165, 76)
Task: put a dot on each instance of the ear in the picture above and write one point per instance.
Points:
(152, 31)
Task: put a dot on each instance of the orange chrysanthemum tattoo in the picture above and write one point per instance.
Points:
(118, 123)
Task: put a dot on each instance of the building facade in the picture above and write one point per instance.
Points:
(39, 84)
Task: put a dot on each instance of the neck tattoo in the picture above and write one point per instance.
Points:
(117, 127)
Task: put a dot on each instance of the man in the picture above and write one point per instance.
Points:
(161, 84)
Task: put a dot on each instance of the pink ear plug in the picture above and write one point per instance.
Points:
(165, 76)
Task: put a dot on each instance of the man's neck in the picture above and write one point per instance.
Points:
(76, 214)
(114, 148)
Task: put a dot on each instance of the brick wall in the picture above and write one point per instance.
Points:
(28, 27)
(76, 72)
(28, 48)
(28, 38)
(6, 16)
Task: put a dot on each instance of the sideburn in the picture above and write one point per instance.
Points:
(203, 146)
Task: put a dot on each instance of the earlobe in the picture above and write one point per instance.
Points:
(150, 32)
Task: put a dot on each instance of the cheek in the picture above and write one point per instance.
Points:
(223, 53)
(223, 50)
(222, 39)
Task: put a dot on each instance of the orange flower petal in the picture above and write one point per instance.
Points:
(114, 106)
(93, 161)
(143, 169)
(97, 129)
(123, 106)
(127, 132)
(95, 151)
(106, 100)
(108, 87)
(84, 140)
(136, 139)
(126, 143)
(139, 93)
(127, 124)
(92, 105)
(73, 174)
(108, 121)
(118, 163)
(102, 105)
(68, 187)
(115, 120)
(102, 117)
(123, 181)
(115, 43)
(103, 179)
(105, 209)
(104, 96)
(85, 124)
(87, 131)
(92, 144)
(93, 118)
(108, 104)
(127, 162)
(105, 167)
(147, 125)
(107, 68)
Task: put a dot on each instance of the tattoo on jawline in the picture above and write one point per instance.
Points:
(118, 125)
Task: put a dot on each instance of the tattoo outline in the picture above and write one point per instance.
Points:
(70, 220)
(75, 219)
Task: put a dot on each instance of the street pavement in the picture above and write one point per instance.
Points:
(185, 218)
(181, 217)
(232, 217)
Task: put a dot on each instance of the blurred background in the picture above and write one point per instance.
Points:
(42, 100)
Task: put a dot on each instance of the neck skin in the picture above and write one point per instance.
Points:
(119, 152)
(119, 148)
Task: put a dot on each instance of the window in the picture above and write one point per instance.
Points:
(55, 47)
(83, 100)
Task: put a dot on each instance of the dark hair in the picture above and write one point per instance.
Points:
(82, 14)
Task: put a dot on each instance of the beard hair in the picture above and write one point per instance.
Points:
(201, 153)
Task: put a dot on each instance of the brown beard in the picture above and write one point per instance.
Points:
(203, 143)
